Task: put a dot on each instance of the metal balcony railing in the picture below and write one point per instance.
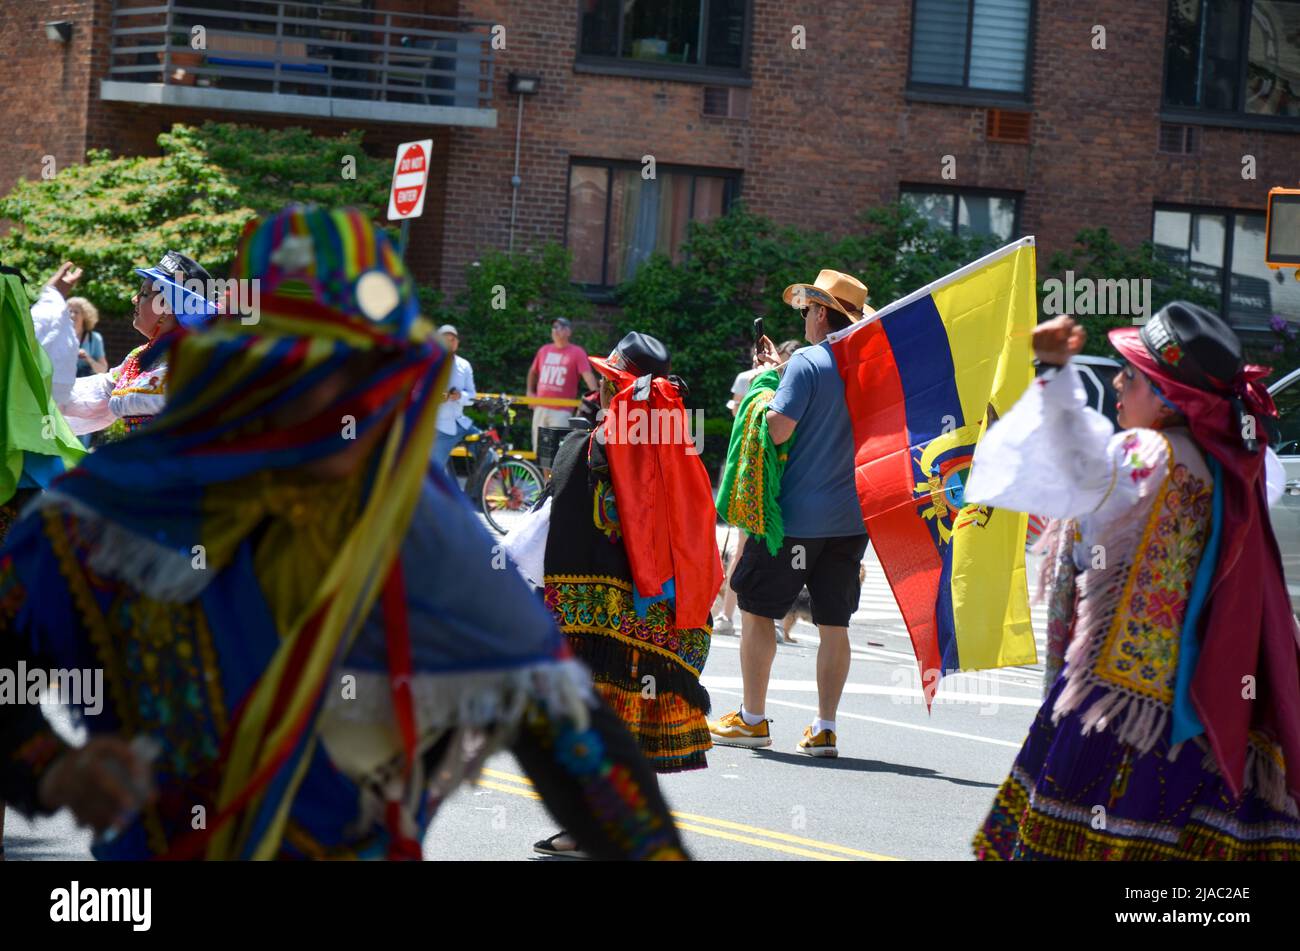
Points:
(256, 54)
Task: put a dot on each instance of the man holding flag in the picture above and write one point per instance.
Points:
(824, 538)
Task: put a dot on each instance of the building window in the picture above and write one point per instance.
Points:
(1234, 56)
(617, 218)
(1223, 252)
(979, 45)
(966, 211)
(683, 35)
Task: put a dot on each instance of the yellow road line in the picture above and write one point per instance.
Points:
(776, 847)
(527, 794)
(691, 818)
(784, 837)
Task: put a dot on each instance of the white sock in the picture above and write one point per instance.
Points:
(751, 719)
(819, 724)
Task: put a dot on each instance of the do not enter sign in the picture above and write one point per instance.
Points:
(410, 175)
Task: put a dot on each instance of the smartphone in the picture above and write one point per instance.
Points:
(758, 330)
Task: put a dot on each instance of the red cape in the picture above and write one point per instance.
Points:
(665, 501)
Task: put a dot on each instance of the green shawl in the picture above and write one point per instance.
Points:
(751, 479)
(30, 421)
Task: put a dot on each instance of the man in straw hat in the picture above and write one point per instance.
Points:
(825, 537)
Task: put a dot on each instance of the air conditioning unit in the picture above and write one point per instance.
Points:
(1002, 125)
(725, 102)
(1179, 139)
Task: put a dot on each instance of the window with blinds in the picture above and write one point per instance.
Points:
(971, 44)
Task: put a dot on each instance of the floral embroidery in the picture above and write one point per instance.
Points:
(1141, 650)
(600, 605)
(1138, 467)
(1172, 354)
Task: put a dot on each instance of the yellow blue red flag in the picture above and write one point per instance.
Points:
(924, 379)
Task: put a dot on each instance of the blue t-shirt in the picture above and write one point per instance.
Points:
(818, 496)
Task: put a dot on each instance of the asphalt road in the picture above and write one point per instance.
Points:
(908, 784)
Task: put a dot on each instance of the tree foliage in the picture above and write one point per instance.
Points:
(736, 267)
(111, 214)
(1097, 256)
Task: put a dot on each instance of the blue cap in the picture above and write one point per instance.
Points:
(184, 283)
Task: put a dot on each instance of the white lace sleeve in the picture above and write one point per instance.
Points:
(86, 408)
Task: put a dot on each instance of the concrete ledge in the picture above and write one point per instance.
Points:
(323, 107)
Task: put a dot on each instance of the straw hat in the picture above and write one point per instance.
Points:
(844, 292)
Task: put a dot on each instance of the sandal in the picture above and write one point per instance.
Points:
(547, 847)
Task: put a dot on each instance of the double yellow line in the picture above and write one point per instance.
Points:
(502, 781)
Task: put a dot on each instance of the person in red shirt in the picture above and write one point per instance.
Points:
(555, 372)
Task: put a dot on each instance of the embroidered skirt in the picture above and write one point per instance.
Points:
(646, 669)
(1071, 796)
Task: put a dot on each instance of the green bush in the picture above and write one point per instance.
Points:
(112, 214)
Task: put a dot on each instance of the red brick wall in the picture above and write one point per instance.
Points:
(831, 133)
(45, 84)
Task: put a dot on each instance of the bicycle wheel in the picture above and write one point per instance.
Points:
(507, 492)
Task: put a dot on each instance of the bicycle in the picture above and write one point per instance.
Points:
(502, 484)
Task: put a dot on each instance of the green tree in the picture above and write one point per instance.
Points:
(111, 214)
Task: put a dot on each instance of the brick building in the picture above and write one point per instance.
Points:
(1164, 119)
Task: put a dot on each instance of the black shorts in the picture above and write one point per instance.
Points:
(767, 586)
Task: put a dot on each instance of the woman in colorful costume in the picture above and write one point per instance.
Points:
(631, 561)
(311, 629)
(1173, 731)
(135, 390)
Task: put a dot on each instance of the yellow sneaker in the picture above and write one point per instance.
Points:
(732, 730)
(823, 744)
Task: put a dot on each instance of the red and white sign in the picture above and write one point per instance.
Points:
(410, 176)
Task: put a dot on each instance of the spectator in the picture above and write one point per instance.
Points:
(85, 317)
(741, 385)
(722, 623)
(453, 424)
(554, 373)
(90, 356)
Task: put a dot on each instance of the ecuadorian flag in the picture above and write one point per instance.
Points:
(924, 378)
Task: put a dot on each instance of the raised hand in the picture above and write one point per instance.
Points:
(1058, 339)
(65, 278)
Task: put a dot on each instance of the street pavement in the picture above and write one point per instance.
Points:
(908, 784)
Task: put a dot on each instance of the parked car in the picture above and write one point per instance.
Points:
(1286, 513)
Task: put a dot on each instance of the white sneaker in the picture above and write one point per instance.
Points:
(723, 625)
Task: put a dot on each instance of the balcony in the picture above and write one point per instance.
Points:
(305, 59)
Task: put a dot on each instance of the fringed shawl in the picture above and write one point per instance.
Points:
(750, 487)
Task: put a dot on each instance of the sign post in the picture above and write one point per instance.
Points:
(410, 178)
